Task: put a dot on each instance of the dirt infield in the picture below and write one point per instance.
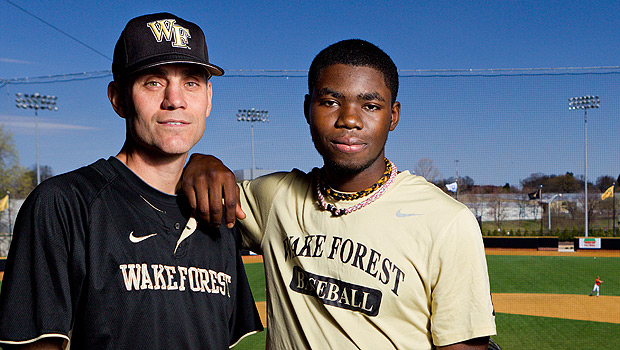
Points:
(568, 306)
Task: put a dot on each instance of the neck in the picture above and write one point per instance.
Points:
(162, 173)
(355, 182)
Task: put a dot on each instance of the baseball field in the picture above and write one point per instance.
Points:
(541, 299)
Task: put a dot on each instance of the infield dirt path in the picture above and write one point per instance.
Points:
(575, 307)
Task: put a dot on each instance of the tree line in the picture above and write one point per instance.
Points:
(566, 183)
(15, 178)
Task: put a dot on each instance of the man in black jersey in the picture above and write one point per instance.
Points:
(107, 256)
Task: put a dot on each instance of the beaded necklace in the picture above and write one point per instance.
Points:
(344, 211)
(343, 196)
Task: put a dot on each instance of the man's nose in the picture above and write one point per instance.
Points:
(174, 98)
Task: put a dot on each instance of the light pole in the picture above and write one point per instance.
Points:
(457, 179)
(36, 101)
(252, 115)
(549, 209)
(585, 103)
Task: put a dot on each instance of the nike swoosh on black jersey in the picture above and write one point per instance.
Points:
(135, 239)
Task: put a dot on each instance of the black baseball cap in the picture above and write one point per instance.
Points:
(160, 38)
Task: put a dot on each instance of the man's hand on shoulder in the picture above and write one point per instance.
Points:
(206, 181)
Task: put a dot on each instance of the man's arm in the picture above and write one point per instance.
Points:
(472, 344)
(206, 181)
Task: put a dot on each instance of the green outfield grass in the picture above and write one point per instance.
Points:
(256, 277)
(517, 332)
(553, 274)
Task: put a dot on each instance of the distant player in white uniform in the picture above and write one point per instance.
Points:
(107, 256)
(597, 286)
(358, 255)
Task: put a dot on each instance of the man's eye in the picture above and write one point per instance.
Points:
(329, 103)
(191, 84)
(152, 83)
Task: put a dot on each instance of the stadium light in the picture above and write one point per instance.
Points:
(36, 101)
(252, 115)
(585, 103)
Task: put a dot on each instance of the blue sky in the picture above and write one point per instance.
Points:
(420, 35)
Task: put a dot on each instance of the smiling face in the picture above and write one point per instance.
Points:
(350, 114)
(170, 106)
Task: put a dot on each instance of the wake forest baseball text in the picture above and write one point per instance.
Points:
(347, 252)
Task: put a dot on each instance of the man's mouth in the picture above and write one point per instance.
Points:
(348, 145)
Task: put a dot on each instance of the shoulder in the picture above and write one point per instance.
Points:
(435, 209)
(419, 190)
(85, 182)
(279, 181)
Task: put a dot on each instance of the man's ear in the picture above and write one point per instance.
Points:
(116, 99)
(395, 115)
(210, 97)
(307, 108)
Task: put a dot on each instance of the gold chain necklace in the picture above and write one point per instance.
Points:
(344, 211)
(343, 196)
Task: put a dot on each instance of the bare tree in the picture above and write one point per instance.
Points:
(427, 169)
(523, 204)
(498, 209)
(474, 203)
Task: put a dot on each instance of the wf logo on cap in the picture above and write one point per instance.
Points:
(172, 32)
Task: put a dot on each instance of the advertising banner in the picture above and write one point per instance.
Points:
(589, 243)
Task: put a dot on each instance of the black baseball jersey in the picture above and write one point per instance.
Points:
(99, 251)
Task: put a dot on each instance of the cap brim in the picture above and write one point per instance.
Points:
(211, 68)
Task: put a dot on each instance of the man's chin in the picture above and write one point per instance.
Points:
(345, 168)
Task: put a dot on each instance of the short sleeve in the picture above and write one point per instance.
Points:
(245, 319)
(36, 298)
(256, 201)
(461, 297)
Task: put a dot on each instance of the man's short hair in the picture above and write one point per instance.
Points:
(358, 53)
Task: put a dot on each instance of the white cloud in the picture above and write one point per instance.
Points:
(28, 123)
(12, 60)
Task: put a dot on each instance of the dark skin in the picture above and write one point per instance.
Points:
(206, 181)
(350, 114)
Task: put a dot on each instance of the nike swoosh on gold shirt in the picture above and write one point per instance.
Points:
(402, 215)
(135, 239)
